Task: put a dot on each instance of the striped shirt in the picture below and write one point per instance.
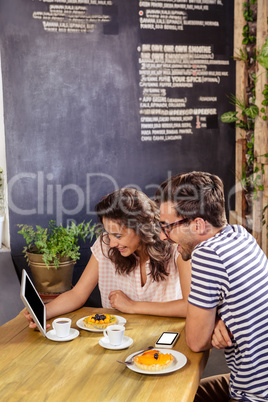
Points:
(230, 271)
(167, 290)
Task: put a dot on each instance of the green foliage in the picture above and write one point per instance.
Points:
(242, 55)
(262, 58)
(256, 181)
(56, 241)
(237, 102)
(251, 178)
(253, 181)
(263, 55)
(252, 111)
(263, 217)
(231, 117)
(248, 16)
(247, 13)
(264, 102)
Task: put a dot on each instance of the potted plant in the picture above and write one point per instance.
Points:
(2, 205)
(52, 253)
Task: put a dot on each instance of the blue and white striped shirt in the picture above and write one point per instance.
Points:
(230, 271)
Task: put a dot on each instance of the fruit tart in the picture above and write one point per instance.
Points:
(153, 360)
(99, 321)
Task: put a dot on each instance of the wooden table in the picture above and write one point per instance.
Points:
(33, 368)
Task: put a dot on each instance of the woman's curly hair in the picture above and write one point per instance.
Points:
(133, 209)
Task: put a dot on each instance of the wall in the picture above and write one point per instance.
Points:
(101, 94)
(5, 233)
(10, 301)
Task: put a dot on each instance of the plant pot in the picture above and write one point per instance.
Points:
(1, 229)
(51, 281)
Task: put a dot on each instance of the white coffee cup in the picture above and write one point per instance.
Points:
(114, 334)
(62, 326)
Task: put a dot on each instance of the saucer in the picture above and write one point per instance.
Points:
(53, 337)
(127, 341)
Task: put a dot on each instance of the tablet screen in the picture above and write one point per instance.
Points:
(33, 302)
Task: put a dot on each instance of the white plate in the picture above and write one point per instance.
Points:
(80, 324)
(179, 361)
(127, 341)
(53, 337)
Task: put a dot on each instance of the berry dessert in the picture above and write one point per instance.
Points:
(153, 360)
(101, 321)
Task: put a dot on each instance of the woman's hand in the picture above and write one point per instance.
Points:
(121, 301)
(221, 337)
(29, 318)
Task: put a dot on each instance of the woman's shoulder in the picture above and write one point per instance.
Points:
(97, 244)
(99, 249)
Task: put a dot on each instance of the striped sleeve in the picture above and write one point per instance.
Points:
(209, 283)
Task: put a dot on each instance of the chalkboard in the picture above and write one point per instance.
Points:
(100, 94)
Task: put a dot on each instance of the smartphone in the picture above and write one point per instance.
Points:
(167, 340)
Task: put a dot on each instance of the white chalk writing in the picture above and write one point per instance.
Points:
(170, 15)
(164, 67)
(71, 18)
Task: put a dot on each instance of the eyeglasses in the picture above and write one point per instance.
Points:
(167, 228)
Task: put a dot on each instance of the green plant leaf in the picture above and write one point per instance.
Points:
(242, 55)
(263, 56)
(252, 111)
(237, 102)
(229, 117)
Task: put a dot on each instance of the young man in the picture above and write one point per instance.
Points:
(229, 279)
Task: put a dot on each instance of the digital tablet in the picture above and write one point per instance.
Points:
(33, 302)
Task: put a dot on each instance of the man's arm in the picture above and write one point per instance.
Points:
(199, 327)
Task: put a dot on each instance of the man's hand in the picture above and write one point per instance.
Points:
(121, 301)
(221, 337)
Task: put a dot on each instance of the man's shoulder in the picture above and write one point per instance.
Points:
(226, 238)
(229, 231)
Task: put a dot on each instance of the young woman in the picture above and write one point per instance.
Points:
(137, 273)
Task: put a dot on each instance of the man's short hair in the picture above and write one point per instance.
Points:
(195, 194)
